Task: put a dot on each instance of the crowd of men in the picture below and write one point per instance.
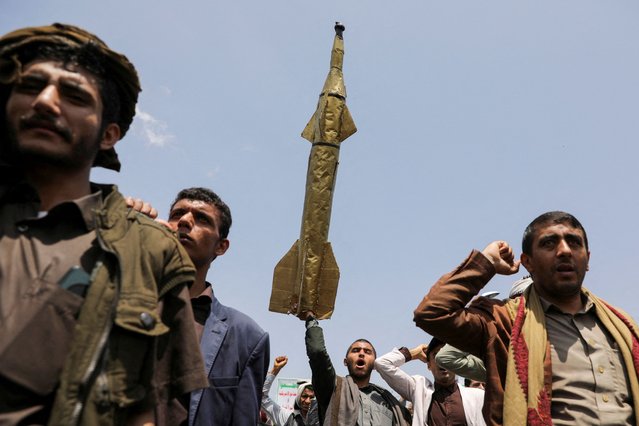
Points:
(106, 316)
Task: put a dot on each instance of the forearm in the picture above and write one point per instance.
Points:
(442, 313)
(461, 363)
(321, 366)
(388, 367)
(273, 410)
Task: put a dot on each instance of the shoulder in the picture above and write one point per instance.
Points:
(472, 394)
(239, 320)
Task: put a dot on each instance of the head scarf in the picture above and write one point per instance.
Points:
(117, 67)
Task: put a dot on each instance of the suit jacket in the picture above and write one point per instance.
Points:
(236, 358)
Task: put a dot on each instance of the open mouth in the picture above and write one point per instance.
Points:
(360, 363)
(184, 237)
(565, 268)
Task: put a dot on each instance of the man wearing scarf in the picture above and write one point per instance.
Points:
(555, 355)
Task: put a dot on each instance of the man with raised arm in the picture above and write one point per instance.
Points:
(280, 416)
(351, 400)
(555, 355)
(445, 402)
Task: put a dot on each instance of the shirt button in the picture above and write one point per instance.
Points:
(23, 228)
(601, 369)
(605, 398)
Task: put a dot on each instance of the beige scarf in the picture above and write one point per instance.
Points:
(526, 399)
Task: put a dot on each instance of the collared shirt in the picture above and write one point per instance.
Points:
(590, 381)
(446, 407)
(374, 410)
(201, 305)
(38, 249)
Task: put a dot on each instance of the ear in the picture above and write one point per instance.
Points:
(345, 365)
(222, 247)
(110, 137)
(526, 261)
(588, 265)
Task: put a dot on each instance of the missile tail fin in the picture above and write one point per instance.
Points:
(329, 278)
(285, 293)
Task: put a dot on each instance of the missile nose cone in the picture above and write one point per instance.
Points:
(339, 29)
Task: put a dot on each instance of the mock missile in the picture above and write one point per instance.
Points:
(306, 278)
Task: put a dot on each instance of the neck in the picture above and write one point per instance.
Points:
(569, 304)
(361, 382)
(55, 186)
(199, 284)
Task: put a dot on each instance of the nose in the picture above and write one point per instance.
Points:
(48, 101)
(563, 249)
(186, 221)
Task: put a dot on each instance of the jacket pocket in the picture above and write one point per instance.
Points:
(132, 349)
(37, 341)
(224, 382)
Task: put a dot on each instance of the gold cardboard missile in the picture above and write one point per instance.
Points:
(307, 276)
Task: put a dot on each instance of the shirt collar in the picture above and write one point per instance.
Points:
(587, 302)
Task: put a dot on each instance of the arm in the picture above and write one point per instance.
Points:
(443, 311)
(388, 367)
(321, 365)
(461, 363)
(246, 407)
(275, 412)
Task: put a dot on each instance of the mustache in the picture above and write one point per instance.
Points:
(47, 122)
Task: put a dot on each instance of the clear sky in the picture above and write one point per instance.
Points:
(473, 117)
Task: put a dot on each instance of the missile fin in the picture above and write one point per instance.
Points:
(329, 278)
(285, 292)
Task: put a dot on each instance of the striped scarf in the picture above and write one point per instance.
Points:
(527, 399)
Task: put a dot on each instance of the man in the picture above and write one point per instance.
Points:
(94, 309)
(443, 404)
(556, 355)
(350, 400)
(235, 348)
(305, 397)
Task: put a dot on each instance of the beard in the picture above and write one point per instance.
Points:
(79, 153)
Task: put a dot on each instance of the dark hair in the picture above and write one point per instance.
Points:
(434, 344)
(209, 197)
(85, 56)
(361, 340)
(555, 217)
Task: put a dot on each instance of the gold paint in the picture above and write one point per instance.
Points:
(307, 276)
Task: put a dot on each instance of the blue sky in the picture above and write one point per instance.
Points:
(473, 118)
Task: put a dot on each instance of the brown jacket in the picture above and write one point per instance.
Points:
(483, 329)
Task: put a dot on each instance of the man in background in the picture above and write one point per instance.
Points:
(234, 347)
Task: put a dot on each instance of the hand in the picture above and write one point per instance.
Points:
(141, 206)
(279, 363)
(419, 352)
(500, 254)
(306, 315)
(167, 224)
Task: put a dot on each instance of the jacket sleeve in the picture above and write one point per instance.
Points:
(443, 313)
(246, 409)
(321, 366)
(388, 367)
(277, 414)
(461, 363)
